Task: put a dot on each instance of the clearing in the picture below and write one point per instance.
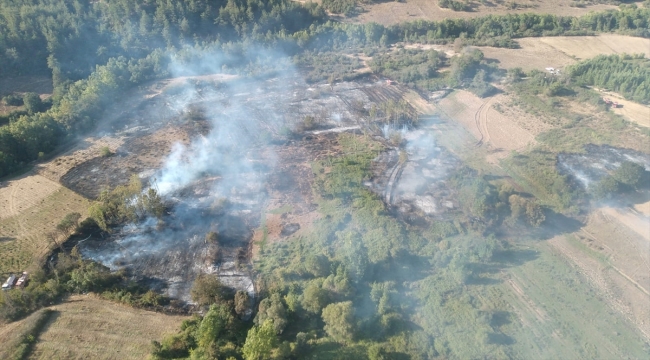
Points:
(30, 207)
(559, 51)
(490, 127)
(86, 327)
(41, 85)
(393, 12)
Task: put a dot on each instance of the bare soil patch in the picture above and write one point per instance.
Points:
(631, 110)
(390, 13)
(87, 327)
(643, 208)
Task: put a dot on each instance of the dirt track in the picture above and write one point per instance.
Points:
(498, 132)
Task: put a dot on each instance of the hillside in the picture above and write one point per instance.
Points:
(296, 183)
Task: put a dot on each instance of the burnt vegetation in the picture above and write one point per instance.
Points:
(368, 277)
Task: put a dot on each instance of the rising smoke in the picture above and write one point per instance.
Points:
(216, 183)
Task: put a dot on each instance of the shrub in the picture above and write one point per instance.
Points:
(12, 100)
(33, 103)
(105, 151)
(207, 289)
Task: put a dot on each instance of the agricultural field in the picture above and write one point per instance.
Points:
(561, 314)
(390, 13)
(86, 327)
(31, 206)
(557, 52)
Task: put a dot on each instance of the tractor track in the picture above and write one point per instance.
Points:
(393, 179)
(482, 126)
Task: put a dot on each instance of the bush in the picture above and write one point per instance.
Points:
(630, 174)
(606, 188)
(207, 290)
(339, 321)
(345, 7)
(33, 103)
(453, 4)
(12, 100)
(105, 152)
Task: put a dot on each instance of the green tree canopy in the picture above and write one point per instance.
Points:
(339, 321)
(260, 341)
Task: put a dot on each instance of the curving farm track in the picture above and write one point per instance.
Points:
(481, 121)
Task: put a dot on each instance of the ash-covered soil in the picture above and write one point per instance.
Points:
(412, 180)
(597, 162)
(227, 153)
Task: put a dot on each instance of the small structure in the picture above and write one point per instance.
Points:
(611, 103)
(9, 283)
(389, 82)
(22, 281)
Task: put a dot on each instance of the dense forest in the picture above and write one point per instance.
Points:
(629, 75)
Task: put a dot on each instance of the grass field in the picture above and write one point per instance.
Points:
(393, 12)
(559, 313)
(85, 327)
(35, 205)
(560, 51)
(41, 85)
(18, 338)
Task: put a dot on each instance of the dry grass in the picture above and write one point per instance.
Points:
(37, 205)
(13, 335)
(491, 128)
(87, 327)
(393, 12)
(41, 85)
(611, 250)
(560, 51)
(635, 112)
(585, 47)
(87, 149)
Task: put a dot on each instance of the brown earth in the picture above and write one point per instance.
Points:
(630, 110)
(86, 327)
(390, 13)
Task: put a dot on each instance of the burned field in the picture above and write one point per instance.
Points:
(412, 180)
(597, 162)
(234, 158)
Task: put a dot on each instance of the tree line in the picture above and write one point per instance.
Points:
(628, 75)
(96, 50)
